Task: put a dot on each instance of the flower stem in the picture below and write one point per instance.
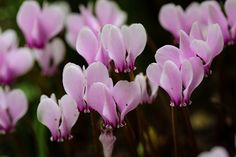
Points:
(174, 131)
(95, 135)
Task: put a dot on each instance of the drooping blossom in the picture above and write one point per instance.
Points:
(106, 12)
(217, 151)
(59, 116)
(205, 13)
(124, 44)
(39, 25)
(148, 89)
(205, 43)
(13, 106)
(107, 139)
(14, 61)
(89, 46)
(77, 82)
(177, 76)
(51, 56)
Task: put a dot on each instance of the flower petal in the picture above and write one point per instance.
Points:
(49, 114)
(127, 96)
(74, 83)
(171, 82)
(153, 72)
(87, 44)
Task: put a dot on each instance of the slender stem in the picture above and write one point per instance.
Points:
(131, 75)
(174, 131)
(95, 135)
(190, 131)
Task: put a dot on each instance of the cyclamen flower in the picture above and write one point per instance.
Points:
(205, 43)
(51, 56)
(114, 102)
(208, 12)
(39, 25)
(77, 82)
(13, 106)
(215, 152)
(89, 46)
(14, 61)
(107, 139)
(124, 45)
(178, 77)
(59, 116)
(148, 88)
(106, 12)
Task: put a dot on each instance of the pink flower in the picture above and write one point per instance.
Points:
(77, 82)
(148, 89)
(39, 25)
(107, 12)
(208, 12)
(13, 106)
(215, 152)
(51, 56)
(107, 139)
(89, 46)
(59, 116)
(178, 77)
(124, 45)
(14, 61)
(206, 43)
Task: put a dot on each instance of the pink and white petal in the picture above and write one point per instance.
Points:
(194, 13)
(184, 46)
(215, 15)
(108, 12)
(168, 52)
(87, 44)
(215, 39)
(127, 96)
(74, 23)
(9, 40)
(142, 82)
(98, 72)
(70, 115)
(202, 50)
(171, 82)
(58, 50)
(52, 20)
(230, 9)
(17, 105)
(113, 42)
(174, 25)
(196, 32)
(74, 83)
(49, 114)
(20, 61)
(135, 39)
(27, 15)
(100, 99)
(153, 72)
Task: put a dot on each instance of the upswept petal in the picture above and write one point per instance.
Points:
(184, 46)
(49, 114)
(17, 105)
(87, 44)
(74, 83)
(230, 9)
(100, 99)
(171, 82)
(69, 115)
(154, 72)
(8, 40)
(127, 97)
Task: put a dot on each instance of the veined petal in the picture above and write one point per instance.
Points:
(87, 44)
(74, 83)
(49, 114)
(100, 99)
(17, 105)
(171, 82)
(153, 72)
(184, 46)
(70, 115)
(127, 97)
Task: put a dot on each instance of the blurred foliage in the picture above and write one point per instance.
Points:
(212, 112)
